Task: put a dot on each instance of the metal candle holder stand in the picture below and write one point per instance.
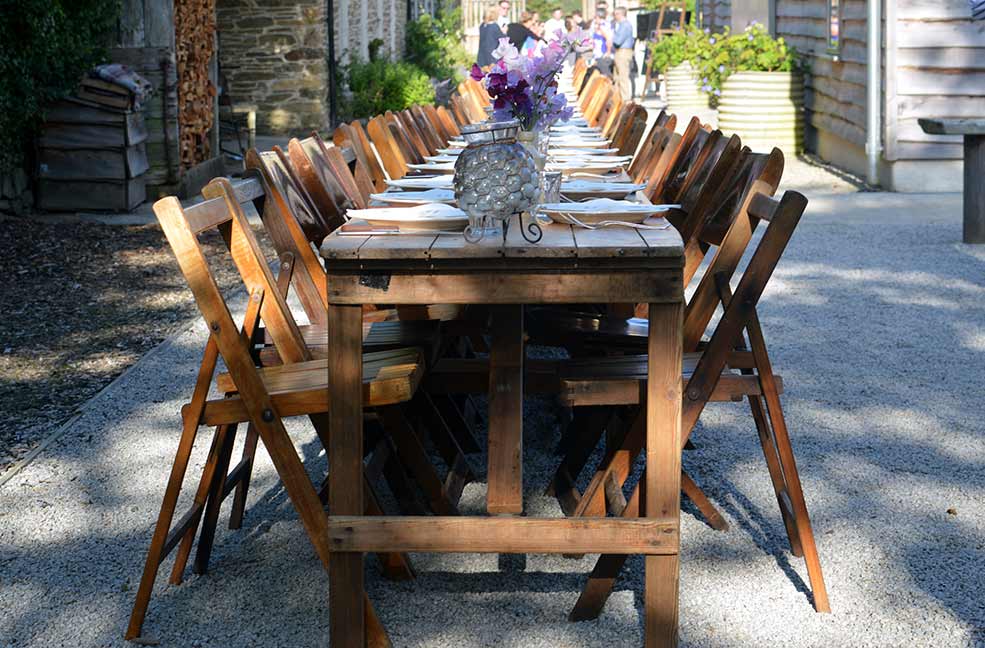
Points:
(531, 232)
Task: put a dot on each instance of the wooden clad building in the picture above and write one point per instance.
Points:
(933, 65)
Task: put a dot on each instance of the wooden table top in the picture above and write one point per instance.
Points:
(953, 126)
(561, 244)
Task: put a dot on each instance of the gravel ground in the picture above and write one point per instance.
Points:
(82, 302)
(875, 318)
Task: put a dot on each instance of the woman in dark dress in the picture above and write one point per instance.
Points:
(489, 35)
(518, 33)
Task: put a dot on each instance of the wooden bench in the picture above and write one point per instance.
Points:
(973, 131)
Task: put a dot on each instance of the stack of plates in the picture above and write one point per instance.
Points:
(601, 210)
(410, 198)
(423, 218)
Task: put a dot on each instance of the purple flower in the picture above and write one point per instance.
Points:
(712, 41)
(477, 74)
(749, 37)
(721, 68)
(717, 92)
(707, 30)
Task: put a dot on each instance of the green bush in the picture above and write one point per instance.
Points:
(47, 45)
(435, 44)
(379, 85)
(751, 50)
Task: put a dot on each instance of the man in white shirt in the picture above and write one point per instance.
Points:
(504, 15)
(554, 24)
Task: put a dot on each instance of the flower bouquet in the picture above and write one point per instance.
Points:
(525, 87)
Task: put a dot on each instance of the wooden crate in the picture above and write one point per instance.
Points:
(91, 157)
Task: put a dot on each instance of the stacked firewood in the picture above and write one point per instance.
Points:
(195, 44)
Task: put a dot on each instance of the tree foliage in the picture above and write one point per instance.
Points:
(45, 48)
(435, 44)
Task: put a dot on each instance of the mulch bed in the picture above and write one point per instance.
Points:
(81, 303)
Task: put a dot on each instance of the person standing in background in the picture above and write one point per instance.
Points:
(577, 21)
(520, 34)
(489, 35)
(504, 16)
(622, 44)
(602, 42)
(554, 24)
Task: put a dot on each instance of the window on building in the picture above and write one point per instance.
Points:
(834, 26)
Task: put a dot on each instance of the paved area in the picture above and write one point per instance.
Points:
(875, 318)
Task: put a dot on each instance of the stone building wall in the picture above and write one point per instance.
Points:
(358, 22)
(274, 57)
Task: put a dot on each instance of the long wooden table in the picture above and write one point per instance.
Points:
(568, 266)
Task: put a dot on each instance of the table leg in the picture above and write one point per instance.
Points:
(663, 466)
(345, 459)
(974, 189)
(505, 468)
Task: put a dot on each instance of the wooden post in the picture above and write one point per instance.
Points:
(663, 467)
(974, 189)
(505, 468)
(345, 456)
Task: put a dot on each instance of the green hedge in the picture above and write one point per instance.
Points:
(379, 85)
(435, 44)
(45, 48)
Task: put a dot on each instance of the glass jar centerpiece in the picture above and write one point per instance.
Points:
(495, 177)
(524, 89)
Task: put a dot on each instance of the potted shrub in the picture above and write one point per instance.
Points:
(671, 55)
(758, 85)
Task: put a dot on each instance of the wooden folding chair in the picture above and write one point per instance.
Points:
(653, 146)
(627, 138)
(391, 154)
(258, 397)
(725, 369)
(459, 110)
(448, 119)
(325, 175)
(419, 327)
(354, 137)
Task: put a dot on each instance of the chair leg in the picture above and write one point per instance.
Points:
(803, 522)
(584, 433)
(768, 443)
(214, 502)
(603, 577)
(411, 452)
(198, 505)
(701, 501)
(243, 487)
(157, 550)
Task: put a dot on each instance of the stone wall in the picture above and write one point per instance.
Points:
(357, 22)
(274, 57)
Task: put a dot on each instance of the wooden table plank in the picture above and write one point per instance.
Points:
(952, 126)
(557, 242)
(610, 242)
(397, 246)
(343, 247)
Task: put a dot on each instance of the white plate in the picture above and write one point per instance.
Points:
(590, 160)
(602, 209)
(446, 196)
(410, 183)
(580, 152)
(443, 157)
(579, 143)
(454, 152)
(578, 189)
(423, 218)
(434, 167)
(584, 165)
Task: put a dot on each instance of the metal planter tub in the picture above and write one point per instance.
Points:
(683, 97)
(765, 109)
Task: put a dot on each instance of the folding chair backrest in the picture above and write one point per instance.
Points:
(283, 202)
(611, 113)
(782, 218)
(628, 140)
(398, 129)
(354, 136)
(727, 230)
(446, 117)
(328, 197)
(413, 133)
(317, 166)
(223, 213)
(652, 146)
(390, 153)
(458, 110)
(686, 155)
(427, 129)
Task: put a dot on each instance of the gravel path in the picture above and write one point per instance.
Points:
(875, 318)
